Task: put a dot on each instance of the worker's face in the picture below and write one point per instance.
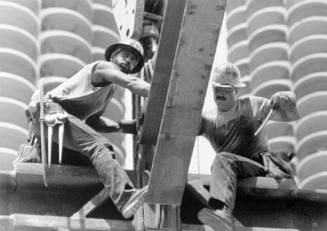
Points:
(125, 59)
(224, 97)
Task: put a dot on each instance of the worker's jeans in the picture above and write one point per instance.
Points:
(226, 170)
(82, 138)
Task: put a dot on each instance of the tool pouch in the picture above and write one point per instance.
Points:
(276, 165)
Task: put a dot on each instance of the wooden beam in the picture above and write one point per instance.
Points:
(22, 222)
(169, 37)
(61, 178)
(187, 89)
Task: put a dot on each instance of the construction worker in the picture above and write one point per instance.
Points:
(241, 153)
(83, 98)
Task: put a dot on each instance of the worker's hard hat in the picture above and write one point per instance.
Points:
(227, 75)
(150, 31)
(128, 44)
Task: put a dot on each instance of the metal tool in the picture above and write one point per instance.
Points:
(50, 121)
(43, 150)
(61, 130)
(264, 122)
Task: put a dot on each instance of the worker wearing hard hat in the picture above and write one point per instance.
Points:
(83, 98)
(242, 150)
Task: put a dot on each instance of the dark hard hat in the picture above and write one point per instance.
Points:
(131, 45)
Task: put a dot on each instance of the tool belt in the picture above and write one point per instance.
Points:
(278, 164)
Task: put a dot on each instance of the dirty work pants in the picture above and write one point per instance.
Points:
(226, 170)
(82, 138)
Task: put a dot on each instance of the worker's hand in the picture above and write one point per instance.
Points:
(54, 113)
(283, 99)
(128, 126)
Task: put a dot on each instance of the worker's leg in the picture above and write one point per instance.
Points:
(226, 169)
(100, 151)
(82, 138)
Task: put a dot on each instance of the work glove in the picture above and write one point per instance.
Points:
(284, 99)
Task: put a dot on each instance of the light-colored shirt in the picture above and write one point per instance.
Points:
(79, 97)
(233, 131)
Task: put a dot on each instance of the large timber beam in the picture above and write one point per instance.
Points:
(169, 37)
(192, 65)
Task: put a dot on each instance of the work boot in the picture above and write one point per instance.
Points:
(134, 203)
(221, 220)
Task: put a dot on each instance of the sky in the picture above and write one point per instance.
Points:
(203, 154)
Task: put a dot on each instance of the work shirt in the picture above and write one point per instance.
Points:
(79, 97)
(233, 131)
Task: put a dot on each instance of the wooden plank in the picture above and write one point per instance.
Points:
(169, 37)
(61, 178)
(22, 222)
(186, 93)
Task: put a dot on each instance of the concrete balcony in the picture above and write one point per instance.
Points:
(12, 136)
(59, 65)
(310, 166)
(54, 41)
(282, 143)
(7, 157)
(18, 39)
(17, 15)
(268, 88)
(15, 87)
(269, 53)
(50, 82)
(315, 25)
(312, 103)
(308, 65)
(103, 37)
(237, 34)
(275, 129)
(267, 34)
(104, 16)
(66, 20)
(311, 143)
(311, 83)
(238, 51)
(256, 5)
(12, 111)
(307, 46)
(18, 63)
(233, 4)
(83, 7)
(270, 71)
(265, 17)
(33, 5)
(299, 10)
(235, 17)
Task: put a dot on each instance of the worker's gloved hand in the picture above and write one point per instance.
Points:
(54, 113)
(128, 126)
(284, 99)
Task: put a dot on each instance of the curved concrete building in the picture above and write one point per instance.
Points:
(49, 39)
(285, 44)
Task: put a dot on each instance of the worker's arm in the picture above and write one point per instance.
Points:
(104, 73)
(284, 105)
